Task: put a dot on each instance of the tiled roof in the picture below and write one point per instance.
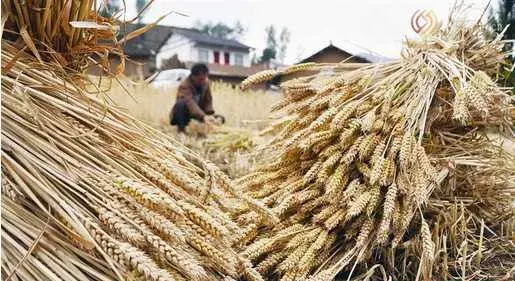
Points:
(149, 43)
(333, 47)
(202, 38)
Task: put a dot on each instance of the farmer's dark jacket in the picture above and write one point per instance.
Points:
(198, 100)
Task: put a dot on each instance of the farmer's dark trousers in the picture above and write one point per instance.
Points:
(180, 115)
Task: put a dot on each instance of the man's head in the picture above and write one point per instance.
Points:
(199, 74)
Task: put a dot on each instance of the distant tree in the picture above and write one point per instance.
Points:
(238, 30)
(268, 55)
(275, 47)
(284, 40)
(140, 5)
(270, 50)
(221, 30)
(109, 7)
(271, 41)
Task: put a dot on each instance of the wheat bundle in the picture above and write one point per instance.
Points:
(386, 172)
(229, 139)
(90, 193)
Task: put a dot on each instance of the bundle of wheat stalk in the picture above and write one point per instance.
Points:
(233, 150)
(90, 193)
(385, 172)
(229, 139)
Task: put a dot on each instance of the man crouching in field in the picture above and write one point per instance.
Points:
(194, 99)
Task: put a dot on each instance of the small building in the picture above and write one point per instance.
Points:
(329, 54)
(333, 54)
(141, 51)
(191, 45)
(166, 47)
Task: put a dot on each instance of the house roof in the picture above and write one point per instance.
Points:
(231, 70)
(206, 39)
(149, 43)
(332, 47)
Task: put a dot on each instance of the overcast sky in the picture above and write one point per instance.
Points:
(376, 25)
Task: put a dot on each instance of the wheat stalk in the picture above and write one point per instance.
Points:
(373, 142)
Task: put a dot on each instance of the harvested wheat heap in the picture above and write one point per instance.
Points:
(88, 192)
(386, 172)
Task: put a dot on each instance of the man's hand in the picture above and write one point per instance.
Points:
(210, 120)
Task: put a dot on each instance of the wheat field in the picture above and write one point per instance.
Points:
(230, 146)
(151, 105)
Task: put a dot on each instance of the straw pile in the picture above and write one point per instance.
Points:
(229, 139)
(387, 168)
(90, 193)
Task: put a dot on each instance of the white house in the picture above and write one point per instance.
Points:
(228, 60)
(191, 45)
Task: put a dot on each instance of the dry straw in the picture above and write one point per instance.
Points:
(378, 157)
(91, 193)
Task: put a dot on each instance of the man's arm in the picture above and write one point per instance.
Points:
(208, 104)
(186, 93)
